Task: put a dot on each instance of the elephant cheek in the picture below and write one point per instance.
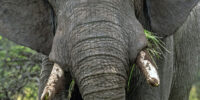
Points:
(60, 52)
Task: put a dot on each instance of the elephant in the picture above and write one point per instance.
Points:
(97, 41)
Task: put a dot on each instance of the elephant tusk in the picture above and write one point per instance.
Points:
(148, 68)
(54, 83)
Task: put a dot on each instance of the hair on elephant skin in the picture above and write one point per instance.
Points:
(96, 42)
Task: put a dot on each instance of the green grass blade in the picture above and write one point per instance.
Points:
(130, 77)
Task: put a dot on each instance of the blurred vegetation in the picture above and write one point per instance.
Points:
(195, 91)
(20, 69)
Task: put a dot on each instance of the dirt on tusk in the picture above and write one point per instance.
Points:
(54, 84)
(148, 68)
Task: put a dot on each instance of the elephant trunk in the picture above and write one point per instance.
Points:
(99, 49)
(99, 61)
(96, 37)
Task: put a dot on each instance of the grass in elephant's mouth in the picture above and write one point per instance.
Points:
(155, 49)
(71, 88)
(155, 45)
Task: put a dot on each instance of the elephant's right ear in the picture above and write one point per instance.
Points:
(28, 23)
(166, 16)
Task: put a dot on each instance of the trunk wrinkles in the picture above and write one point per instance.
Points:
(99, 52)
(99, 60)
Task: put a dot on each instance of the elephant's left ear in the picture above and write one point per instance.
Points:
(166, 16)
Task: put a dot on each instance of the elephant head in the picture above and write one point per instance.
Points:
(95, 40)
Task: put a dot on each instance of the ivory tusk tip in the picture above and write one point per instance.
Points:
(154, 82)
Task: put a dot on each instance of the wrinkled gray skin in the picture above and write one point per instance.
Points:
(97, 41)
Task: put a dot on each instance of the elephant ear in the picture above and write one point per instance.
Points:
(28, 23)
(166, 16)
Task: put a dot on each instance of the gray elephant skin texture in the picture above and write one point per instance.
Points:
(96, 43)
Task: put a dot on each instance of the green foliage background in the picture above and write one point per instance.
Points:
(195, 91)
(20, 69)
(19, 72)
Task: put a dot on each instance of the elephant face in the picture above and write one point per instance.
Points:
(95, 40)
